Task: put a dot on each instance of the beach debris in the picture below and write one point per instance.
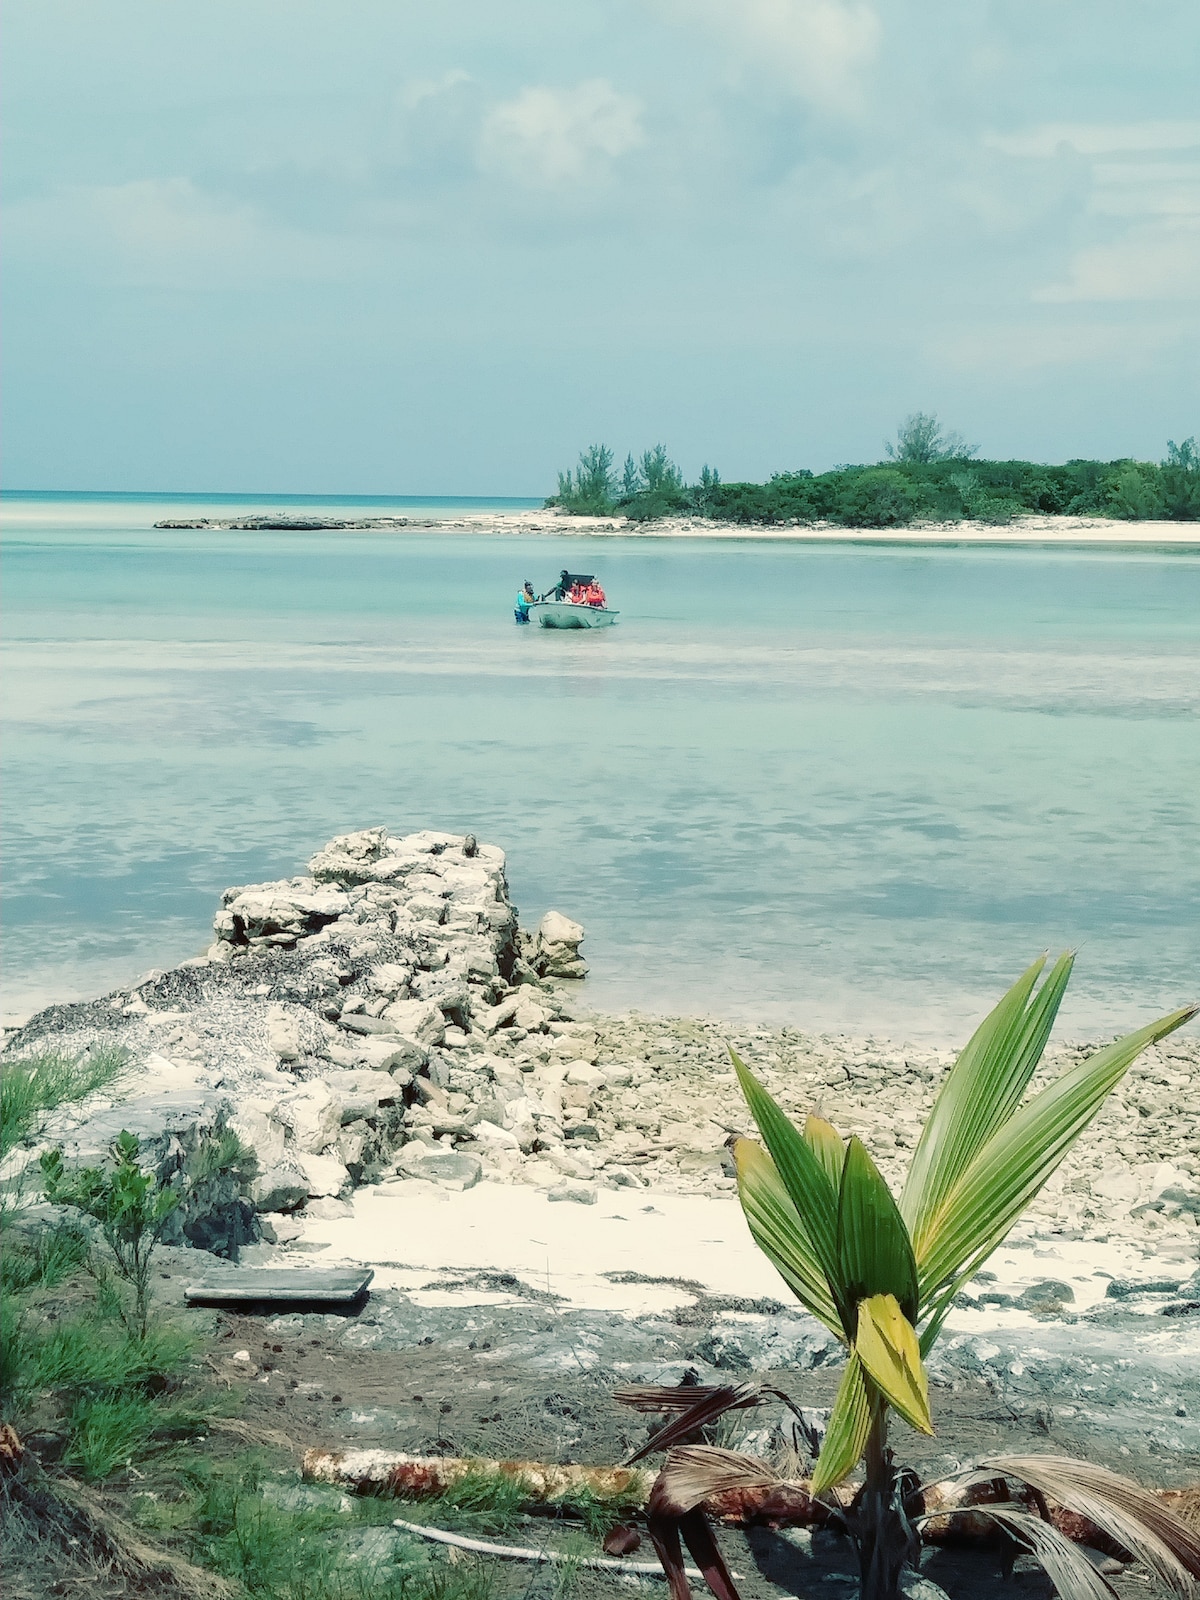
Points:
(242, 1285)
(1086, 1504)
(415, 1477)
(512, 1552)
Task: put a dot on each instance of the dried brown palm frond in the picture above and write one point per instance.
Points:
(1185, 1503)
(712, 1404)
(706, 1404)
(1064, 1563)
(682, 1396)
(80, 1520)
(665, 1534)
(1130, 1515)
(698, 1472)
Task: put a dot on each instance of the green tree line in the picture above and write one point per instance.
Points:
(928, 475)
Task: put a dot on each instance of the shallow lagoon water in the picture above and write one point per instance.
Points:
(853, 788)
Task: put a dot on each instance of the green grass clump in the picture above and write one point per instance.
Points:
(599, 1514)
(489, 1503)
(87, 1355)
(34, 1084)
(111, 1431)
(275, 1554)
(48, 1258)
(480, 1502)
(226, 1153)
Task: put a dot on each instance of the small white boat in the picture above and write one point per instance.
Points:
(564, 614)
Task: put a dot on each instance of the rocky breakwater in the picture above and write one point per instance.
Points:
(338, 1018)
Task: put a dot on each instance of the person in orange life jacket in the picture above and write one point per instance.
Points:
(525, 598)
(594, 595)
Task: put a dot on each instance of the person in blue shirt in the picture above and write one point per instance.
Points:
(525, 598)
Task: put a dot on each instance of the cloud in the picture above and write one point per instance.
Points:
(1026, 349)
(817, 50)
(550, 137)
(1157, 258)
(168, 233)
(1151, 263)
(1097, 138)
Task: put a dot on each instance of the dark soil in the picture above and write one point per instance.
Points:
(531, 1379)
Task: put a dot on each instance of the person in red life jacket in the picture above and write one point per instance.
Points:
(577, 594)
(595, 595)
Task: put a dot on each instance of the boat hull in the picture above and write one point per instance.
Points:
(562, 614)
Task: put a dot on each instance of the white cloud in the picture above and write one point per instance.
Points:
(1151, 263)
(167, 233)
(1144, 188)
(1037, 347)
(817, 50)
(549, 137)
(1097, 138)
(1158, 257)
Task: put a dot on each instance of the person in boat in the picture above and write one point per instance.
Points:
(564, 585)
(594, 595)
(525, 598)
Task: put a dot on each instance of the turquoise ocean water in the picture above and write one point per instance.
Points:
(853, 788)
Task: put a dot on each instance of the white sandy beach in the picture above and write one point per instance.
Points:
(668, 1247)
(1084, 532)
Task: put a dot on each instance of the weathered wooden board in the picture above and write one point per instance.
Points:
(326, 1285)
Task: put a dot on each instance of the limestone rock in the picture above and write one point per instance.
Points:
(283, 1034)
(312, 1113)
(451, 1168)
(583, 1194)
(420, 1020)
(286, 910)
(555, 950)
(323, 1175)
(280, 1187)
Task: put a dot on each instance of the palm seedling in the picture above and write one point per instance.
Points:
(882, 1275)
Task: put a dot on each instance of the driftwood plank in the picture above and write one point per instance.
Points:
(329, 1285)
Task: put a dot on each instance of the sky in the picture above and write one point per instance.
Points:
(371, 246)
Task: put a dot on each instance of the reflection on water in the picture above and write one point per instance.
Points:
(848, 788)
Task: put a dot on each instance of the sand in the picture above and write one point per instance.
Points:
(1085, 532)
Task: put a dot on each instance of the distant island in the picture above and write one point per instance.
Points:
(929, 475)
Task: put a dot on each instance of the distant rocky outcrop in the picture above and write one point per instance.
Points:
(281, 522)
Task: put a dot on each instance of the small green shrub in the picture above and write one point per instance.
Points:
(880, 497)
(225, 1154)
(1134, 494)
(1179, 481)
(131, 1206)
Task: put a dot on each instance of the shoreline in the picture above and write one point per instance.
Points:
(1051, 532)
(545, 1193)
(393, 992)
